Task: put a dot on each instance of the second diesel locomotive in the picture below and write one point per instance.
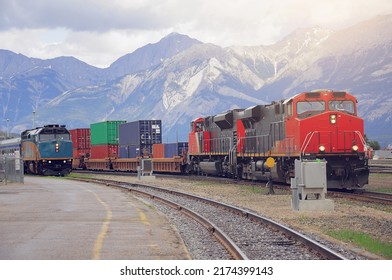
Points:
(263, 141)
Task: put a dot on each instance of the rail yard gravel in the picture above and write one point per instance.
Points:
(255, 240)
(372, 219)
(199, 245)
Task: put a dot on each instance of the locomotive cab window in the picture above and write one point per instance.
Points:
(342, 105)
(63, 136)
(308, 108)
(289, 108)
(46, 137)
(198, 126)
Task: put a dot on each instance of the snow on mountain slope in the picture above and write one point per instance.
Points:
(179, 79)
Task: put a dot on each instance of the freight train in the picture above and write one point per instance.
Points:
(45, 150)
(263, 141)
(256, 143)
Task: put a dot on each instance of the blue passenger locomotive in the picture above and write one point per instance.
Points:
(47, 150)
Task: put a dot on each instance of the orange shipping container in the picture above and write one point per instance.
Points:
(104, 151)
(80, 138)
(158, 150)
(80, 142)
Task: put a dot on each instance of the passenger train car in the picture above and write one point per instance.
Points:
(45, 150)
(10, 147)
(263, 141)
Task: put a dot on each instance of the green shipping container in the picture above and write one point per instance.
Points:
(105, 133)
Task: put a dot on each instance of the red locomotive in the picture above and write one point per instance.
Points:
(263, 141)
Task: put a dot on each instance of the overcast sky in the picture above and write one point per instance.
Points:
(100, 31)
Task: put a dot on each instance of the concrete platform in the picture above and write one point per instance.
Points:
(54, 218)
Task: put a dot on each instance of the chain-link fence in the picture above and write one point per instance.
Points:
(11, 169)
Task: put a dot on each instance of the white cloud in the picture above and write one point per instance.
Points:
(100, 31)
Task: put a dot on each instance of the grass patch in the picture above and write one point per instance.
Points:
(383, 190)
(79, 175)
(365, 241)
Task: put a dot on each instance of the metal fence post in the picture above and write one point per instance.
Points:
(11, 169)
(2, 170)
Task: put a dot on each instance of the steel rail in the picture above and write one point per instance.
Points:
(314, 245)
(321, 249)
(365, 196)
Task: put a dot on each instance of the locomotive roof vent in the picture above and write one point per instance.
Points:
(339, 94)
(224, 121)
(51, 125)
(312, 94)
(253, 113)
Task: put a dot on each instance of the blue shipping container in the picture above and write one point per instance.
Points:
(171, 150)
(129, 151)
(134, 151)
(143, 132)
(175, 149)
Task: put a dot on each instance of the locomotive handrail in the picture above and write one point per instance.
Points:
(232, 154)
(263, 136)
(361, 138)
(223, 143)
(306, 143)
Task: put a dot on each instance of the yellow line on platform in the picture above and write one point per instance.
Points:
(143, 217)
(104, 229)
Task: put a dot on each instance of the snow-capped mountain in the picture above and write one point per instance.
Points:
(150, 55)
(178, 79)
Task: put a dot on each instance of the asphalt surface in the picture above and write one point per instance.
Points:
(54, 218)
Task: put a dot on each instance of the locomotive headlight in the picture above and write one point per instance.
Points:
(322, 148)
(56, 147)
(355, 148)
(332, 119)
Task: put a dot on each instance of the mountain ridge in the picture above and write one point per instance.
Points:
(179, 78)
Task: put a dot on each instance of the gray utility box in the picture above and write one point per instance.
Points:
(145, 169)
(310, 186)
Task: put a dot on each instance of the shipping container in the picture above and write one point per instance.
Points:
(129, 151)
(80, 142)
(171, 150)
(105, 133)
(158, 150)
(134, 151)
(104, 151)
(175, 149)
(142, 132)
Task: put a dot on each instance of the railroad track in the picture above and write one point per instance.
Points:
(243, 234)
(384, 169)
(380, 166)
(364, 196)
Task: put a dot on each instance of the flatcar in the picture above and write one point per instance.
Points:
(263, 141)
(47, 150)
